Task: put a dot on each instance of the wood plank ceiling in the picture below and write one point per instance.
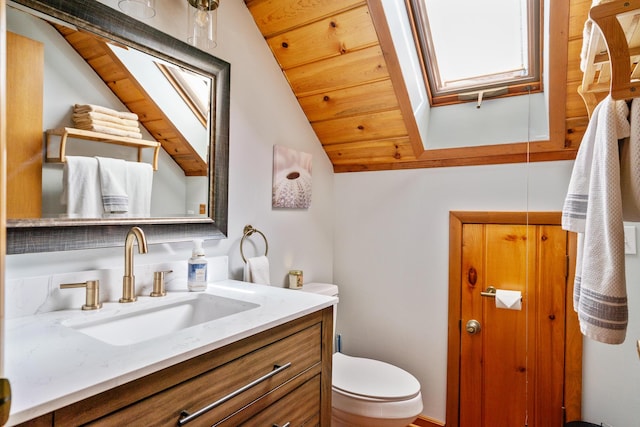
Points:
(339, 60)
(114, 73)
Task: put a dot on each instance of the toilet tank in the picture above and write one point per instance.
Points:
(321, 288)
(329, 290)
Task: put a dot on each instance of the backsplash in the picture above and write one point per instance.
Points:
(32, 295)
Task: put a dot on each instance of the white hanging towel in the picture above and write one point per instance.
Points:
(630, 167)
(256, 270)
(139, 185)
(81, 187)
(113, 185)
(593, 209)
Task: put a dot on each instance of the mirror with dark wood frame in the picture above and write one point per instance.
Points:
(56, 233)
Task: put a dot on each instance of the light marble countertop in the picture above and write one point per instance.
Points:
(51, 365)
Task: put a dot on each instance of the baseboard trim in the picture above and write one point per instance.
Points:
(423, 421)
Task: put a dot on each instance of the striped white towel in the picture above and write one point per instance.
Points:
(593, 209)
(113, 185)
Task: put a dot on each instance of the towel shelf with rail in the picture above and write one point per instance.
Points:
(58, 156)
(611, 52)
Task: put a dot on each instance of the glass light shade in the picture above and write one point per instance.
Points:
(144, 9)
(203, 24)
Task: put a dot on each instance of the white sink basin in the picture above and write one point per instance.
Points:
(132, 324)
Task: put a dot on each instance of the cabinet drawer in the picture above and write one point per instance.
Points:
(301, 407)
(302, 350)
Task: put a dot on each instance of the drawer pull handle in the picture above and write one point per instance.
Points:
(283, 425)
(185, 417)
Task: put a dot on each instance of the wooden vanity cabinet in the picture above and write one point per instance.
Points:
(299, 394)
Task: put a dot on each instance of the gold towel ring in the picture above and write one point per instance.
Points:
(248, 231)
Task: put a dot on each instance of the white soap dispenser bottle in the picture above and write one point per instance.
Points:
(197, 271)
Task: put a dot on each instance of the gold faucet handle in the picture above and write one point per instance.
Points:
(92, 299)
(158, 283)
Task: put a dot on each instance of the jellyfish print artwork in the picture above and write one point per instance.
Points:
(291, 178)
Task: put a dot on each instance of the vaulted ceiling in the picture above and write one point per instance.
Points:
(340, 63)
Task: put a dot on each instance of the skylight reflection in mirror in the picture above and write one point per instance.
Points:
(469, 46)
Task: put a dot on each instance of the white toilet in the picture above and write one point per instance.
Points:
(366, 392)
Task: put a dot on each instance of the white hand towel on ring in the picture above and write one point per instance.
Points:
(256, 270)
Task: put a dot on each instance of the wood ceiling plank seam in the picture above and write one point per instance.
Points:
(355, 100)
(355, 115)
(343, 71)
(379, 151)
(399, 140)
(320, 60)
(364, 127)
(126, 91)
(106, 69)
(340, 87)
(329, 37)
(323, 58)
(298, 16)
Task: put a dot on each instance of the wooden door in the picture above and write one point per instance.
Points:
(512, 370)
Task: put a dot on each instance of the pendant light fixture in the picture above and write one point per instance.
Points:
(203, 23)
(144, 9)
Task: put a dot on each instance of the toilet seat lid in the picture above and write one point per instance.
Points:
(372, 378)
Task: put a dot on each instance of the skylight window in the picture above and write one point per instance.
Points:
(470, 48)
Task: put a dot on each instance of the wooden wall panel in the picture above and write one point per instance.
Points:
(24, 98)
(576, 111)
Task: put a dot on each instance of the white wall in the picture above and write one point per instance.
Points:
(391, 263)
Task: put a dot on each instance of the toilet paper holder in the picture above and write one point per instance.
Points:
(490, 292)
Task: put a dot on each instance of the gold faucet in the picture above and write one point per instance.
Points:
(129, 280)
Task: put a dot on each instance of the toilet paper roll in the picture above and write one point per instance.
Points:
(510, 300)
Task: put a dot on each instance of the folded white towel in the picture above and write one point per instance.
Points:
(113, 185)
(85, 108)
(94, 115)
(81, 187)
(256, 270)
(104, 124)
(108, 130)
(139, 185)
(593, 209)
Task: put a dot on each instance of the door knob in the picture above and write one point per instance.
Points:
(473, 327)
